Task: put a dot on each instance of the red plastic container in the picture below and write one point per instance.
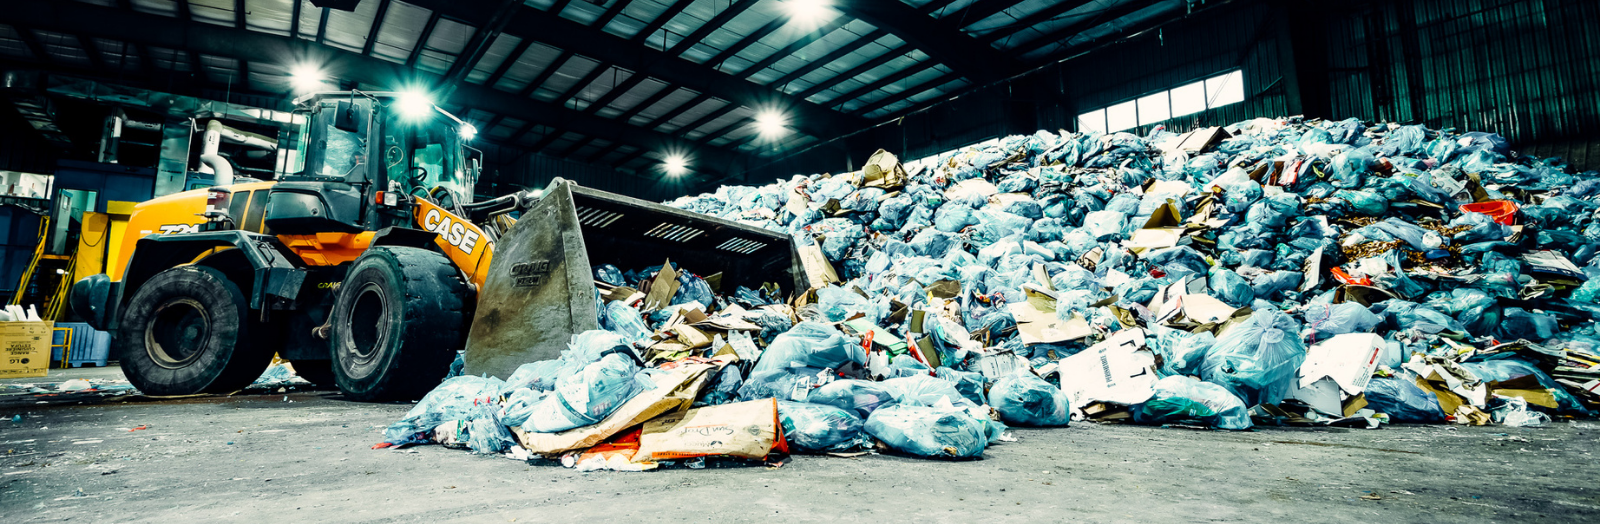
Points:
(1503, 211)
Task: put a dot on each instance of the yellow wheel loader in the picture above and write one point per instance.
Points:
(367, 264)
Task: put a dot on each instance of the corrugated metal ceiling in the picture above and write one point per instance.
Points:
(838, 61)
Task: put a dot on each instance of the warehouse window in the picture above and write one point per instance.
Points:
(1188, 99)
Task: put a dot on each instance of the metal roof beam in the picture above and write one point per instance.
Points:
(605, 47)
(611, 14)
(549, 70)
(511, 60)
(881, 83)
(714, 24)
(855, 71)
(908, 93)
(646, 103)
(1026, 22)
(163, 31)
(819, 62)
(747, 41)
(794, 47)
(422, 39)
(661, 20)
(377, 23)
(478, 44)
(941, 39)
(1055, 37)
(602, 153)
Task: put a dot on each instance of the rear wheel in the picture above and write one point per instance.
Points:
(401, 315)
(187, 330)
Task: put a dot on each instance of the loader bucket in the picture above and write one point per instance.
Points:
(540, 288)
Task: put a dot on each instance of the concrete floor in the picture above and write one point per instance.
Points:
(304, 455)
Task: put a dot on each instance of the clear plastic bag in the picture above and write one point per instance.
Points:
(929, 432)
(817, 427)
(627, 322)
(1184, 400)
(454, 399)
(810, 344)
(1401, 399)
(1327, 320)
(586, 398)
(856, 396)
(839, 304)
(971, 384)
(1022, 398)
(1257, 358)
(923, 390)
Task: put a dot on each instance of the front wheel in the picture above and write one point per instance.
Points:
(401, 315)
(187, 330)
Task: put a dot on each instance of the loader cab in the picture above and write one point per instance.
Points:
(354, 145)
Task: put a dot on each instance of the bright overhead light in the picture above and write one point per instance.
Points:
(306, 78)
(468, 131)
(807, 10)
(675, 164)
(414, 105)
(772, 124)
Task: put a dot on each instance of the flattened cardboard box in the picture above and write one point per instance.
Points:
(26, 349)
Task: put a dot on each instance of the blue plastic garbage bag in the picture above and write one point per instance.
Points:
(693, 289)
(519, 404)
(587, 397)
(1328, 320)
(861, 397)
(817, 427)
(905, 365)
(971, 384)
(930, 432)
(453, 399)
(724, 388)
(1401, 399)
(1230, 288)
(486, 433)
(1181, 352)
(794, 384)
(609, 274)
(1184, 400)
(923, 390)
(539, 376)
(1505, 367)
(839, 304)
(626, 321)
(810, 344)
(1024, 399)
(1257, 358)
(952, 218)
(1481, 228)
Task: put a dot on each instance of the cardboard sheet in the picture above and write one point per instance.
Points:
(675, 389)
(26, 349)
(1120, 370)
(1348, 360)
(662, 288)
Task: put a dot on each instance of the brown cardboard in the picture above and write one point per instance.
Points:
(25, 349)
(745, 429)
(884, 170)
(1196, 141)
(675, 389)
(819, 272)
(662, 288)
(1037, 322)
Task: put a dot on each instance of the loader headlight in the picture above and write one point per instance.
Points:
(414, 105)
(468, 132)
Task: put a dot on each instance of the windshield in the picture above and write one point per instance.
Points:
(423, 155)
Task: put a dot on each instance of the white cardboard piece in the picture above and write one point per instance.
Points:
(1120, 370)
(1347, 359)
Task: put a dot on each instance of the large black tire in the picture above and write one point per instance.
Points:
(401, 315)
(187, 330)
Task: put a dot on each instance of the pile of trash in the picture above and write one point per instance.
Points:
(1272, 272)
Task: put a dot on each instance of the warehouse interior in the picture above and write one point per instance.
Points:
(770, 139)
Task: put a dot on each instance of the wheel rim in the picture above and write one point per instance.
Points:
(177, 332)
(368, 331)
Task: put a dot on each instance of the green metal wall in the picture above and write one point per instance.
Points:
(1525, 69)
